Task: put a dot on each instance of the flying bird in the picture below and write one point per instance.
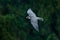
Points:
(33, 19)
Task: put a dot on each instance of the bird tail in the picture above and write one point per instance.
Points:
(40, 18)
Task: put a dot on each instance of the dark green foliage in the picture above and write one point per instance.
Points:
(15, 26)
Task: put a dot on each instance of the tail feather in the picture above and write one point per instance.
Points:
(40, 18)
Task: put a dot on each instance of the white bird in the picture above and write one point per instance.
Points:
(33, 19)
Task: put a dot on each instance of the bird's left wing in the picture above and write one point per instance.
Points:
(31, 13)
(35, 25)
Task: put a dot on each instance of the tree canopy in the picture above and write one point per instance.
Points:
(15, 26)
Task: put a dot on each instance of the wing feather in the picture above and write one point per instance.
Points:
(31, 13)
(35, 25)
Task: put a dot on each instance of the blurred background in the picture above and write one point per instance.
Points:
(15, 26)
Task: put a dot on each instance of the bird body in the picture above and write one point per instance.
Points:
(33, 19)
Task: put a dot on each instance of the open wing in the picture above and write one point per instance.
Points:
(31, 13)
(35, 25)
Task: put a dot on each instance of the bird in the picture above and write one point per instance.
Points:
(33, 19)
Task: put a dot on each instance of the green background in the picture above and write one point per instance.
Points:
(15, 26)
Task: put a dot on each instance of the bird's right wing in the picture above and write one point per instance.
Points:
(35, 25)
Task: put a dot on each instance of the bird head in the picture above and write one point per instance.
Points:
(27, 17)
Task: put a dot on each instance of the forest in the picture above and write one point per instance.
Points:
(15, 26)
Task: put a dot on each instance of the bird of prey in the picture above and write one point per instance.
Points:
(33, 19)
